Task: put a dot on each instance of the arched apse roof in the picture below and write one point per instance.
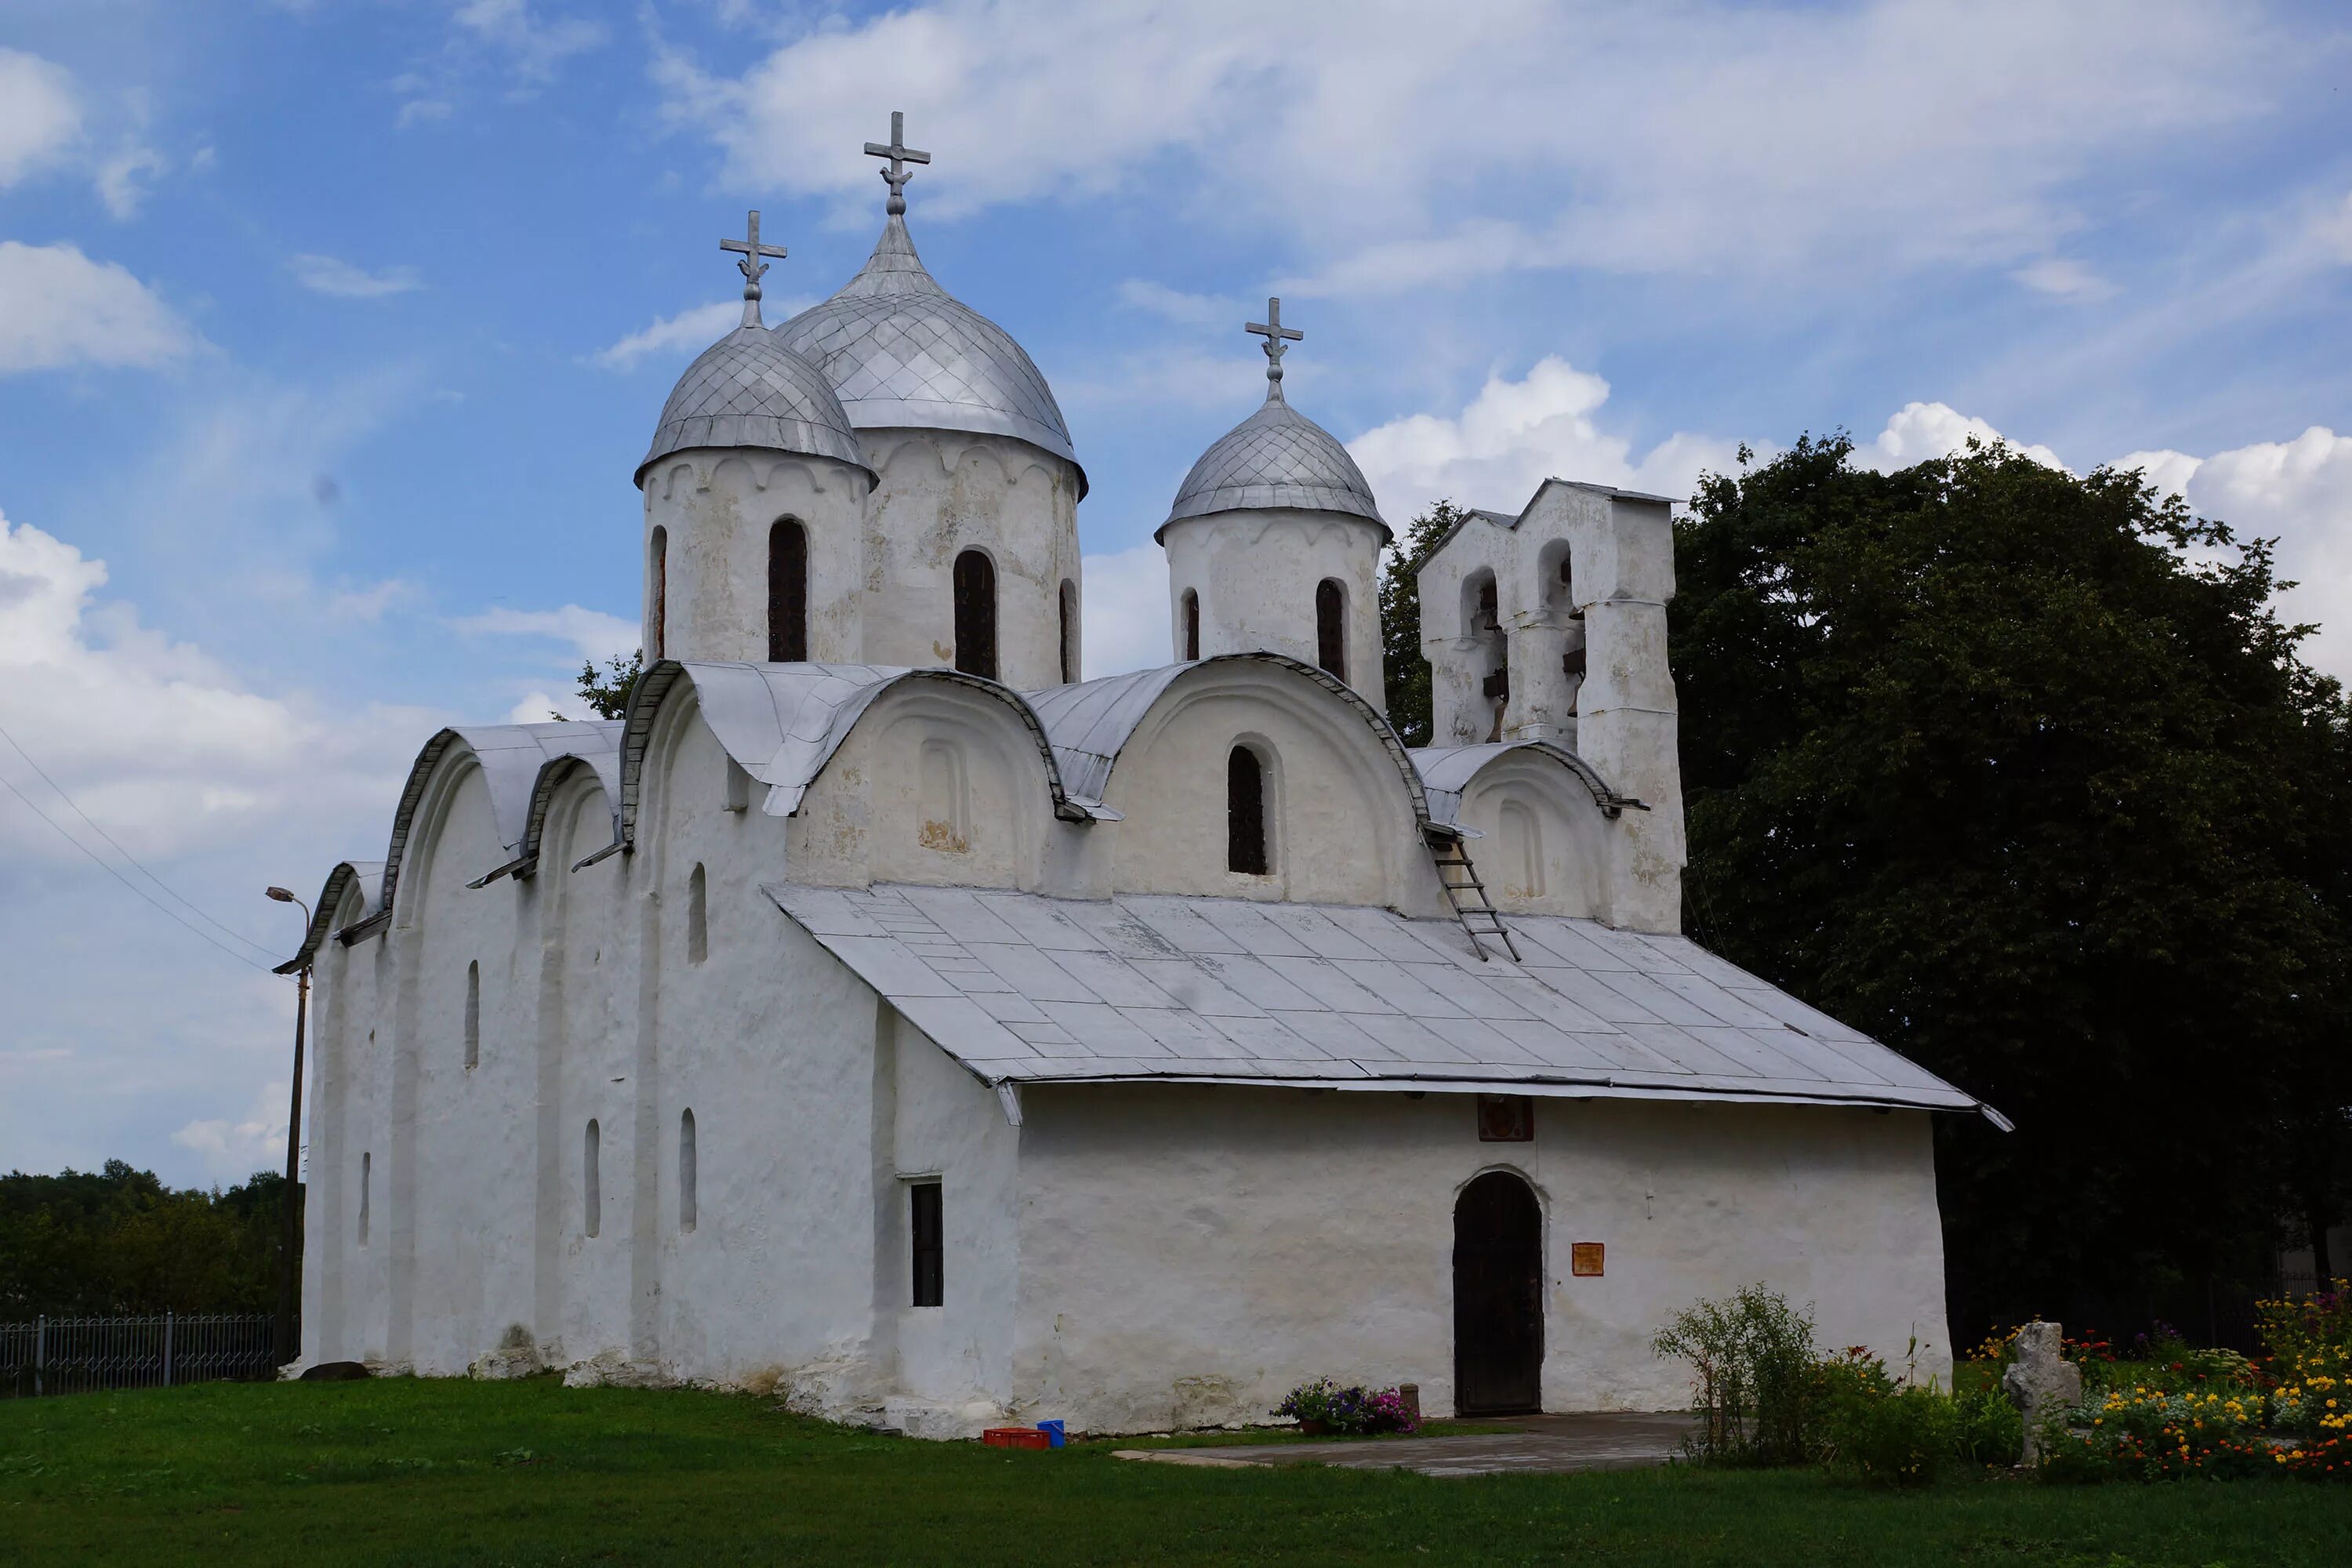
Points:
(1091, 722)
(783, 723)
(512, 757)
(1447, 773)
(368, 875)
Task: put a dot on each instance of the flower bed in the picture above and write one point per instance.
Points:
(1353, 1410)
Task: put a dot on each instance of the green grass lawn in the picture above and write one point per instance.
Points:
(429, 1472)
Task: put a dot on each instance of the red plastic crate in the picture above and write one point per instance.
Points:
(1015, 1438)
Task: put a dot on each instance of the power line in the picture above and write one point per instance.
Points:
(119, 849)
(106, 867)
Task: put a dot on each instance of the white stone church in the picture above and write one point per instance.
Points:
(881, 1014)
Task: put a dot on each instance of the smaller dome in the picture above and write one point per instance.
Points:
(750, 390)
(1276, 458)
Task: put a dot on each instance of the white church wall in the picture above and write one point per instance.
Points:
(1188, 1254)
(937, 785)
(716, 509)
(942, 493)
(954, 1359)
(1546, 845)
(342, 1126)
(1339, 822)
(1256, 572)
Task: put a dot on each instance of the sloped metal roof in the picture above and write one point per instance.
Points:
(1024, 988)
(748, 389)
(901, 352)
(1276, 458)
(513, 757)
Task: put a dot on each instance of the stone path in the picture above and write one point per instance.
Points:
(1535, 1443)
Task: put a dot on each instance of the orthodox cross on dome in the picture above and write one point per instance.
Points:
(896, 175)
(1278, 339)
(751, 267)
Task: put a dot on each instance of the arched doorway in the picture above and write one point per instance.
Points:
(1498, 1296)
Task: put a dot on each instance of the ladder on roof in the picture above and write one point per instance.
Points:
(1449, 853)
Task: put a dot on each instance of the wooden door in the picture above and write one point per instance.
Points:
(1498, 1298)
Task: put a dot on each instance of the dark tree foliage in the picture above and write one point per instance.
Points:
(1405, 673)
(2019, 772)
(90, 1244)
(608, 693)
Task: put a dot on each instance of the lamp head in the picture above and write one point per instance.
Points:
(282, 895)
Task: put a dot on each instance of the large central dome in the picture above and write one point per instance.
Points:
(901, 353)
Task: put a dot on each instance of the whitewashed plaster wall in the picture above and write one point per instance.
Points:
(1286, 1235)
(1545, 846)
(1255, 572)
(1339, 821)
(1621, 554)
(716, 509)
(944, 493)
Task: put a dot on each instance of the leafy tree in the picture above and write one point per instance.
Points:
(2019, 772)
(118, 1240)
(607, 693)
(1406, 673)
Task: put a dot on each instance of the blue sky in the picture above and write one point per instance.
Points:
(330, 332)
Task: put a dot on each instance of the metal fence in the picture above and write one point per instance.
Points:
(78, 1355)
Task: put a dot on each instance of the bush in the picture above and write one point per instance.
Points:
(1757, 1382)
(1353, 1410)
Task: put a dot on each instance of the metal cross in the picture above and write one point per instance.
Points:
(751, 267)
(896, 176)
(1278, 339)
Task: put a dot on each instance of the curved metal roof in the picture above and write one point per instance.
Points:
(783, 723)
(368, 875)
(1446, 772)
(1276, 458)
(748, 389)
(1091, 722)
(902, 352)
(511, 757)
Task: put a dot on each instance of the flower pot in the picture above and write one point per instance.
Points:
(1316, 1428)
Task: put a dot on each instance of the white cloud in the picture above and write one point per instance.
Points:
(1124, 611)
(1175, 305)
(688, 332)
(592, 634)
(57, 308)
(230, 1149)
(2064, 278)
(1512, 436)
(341, 280)
(1923, 132)
(40, 116)
(2298, 492)
(423, 111)
(1921, 431)
(156, 740)
(121, 178)
(535, 44)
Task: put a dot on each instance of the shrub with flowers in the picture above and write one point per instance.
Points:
(2153, 1434)
(1352, 1410)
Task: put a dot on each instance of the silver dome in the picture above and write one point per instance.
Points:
(901, 353)
(749, 390)
(1276, 458)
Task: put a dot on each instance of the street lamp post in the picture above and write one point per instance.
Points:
(286, 1348)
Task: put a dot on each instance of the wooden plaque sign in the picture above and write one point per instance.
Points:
(1584, 1259)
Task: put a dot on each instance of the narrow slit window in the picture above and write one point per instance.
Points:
(658, 594)
(697, 917)
(1069, 632)
(1246, 813)
(473, 1014)
(592, 1192)
(975, 614)
(686, 1171)
(1191, 625)
(1330, 628)
(367, 1179)
(787, 593)
(930, 1245)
